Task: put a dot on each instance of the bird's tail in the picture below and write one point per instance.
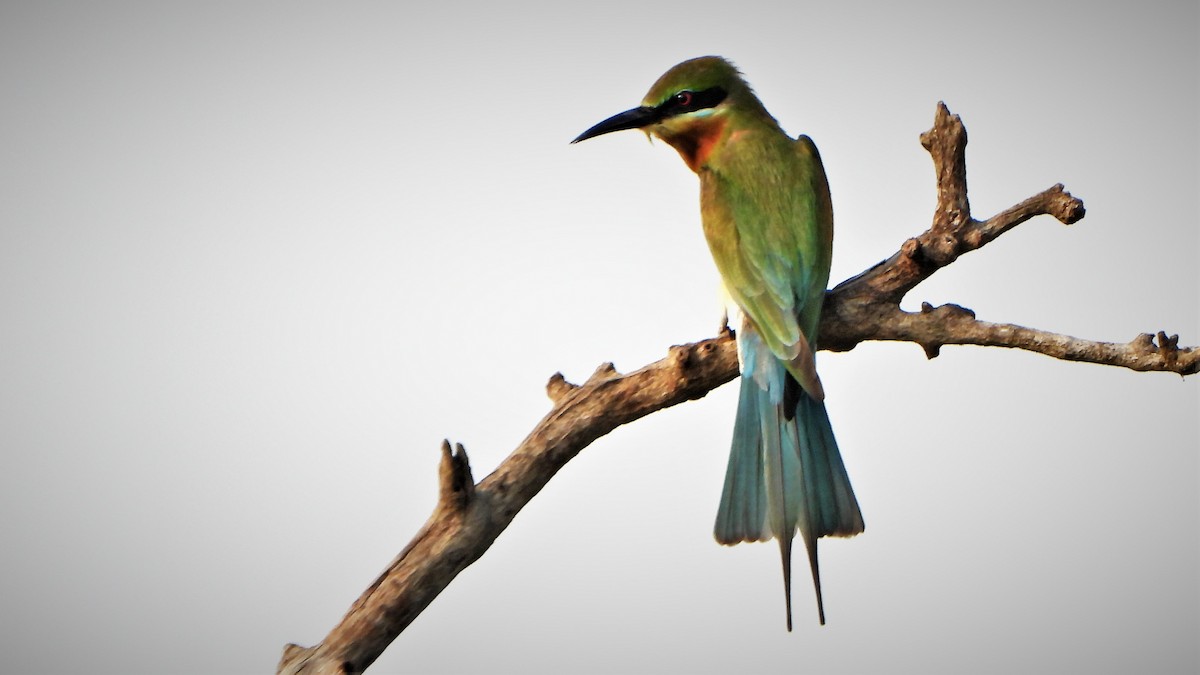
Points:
(785, 472)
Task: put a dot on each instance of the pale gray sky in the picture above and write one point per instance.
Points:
(258, 259)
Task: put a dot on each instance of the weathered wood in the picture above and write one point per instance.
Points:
(468, 516)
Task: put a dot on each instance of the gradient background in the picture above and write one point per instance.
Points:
(258, 259)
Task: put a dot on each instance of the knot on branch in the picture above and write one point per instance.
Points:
(294, 659)
(605, 371)
(456, 486)
(1163, 346)
(1168, 344)
(694, 367)
(679, 356)
(943, 315)
(558, 387)
(912, 250)
(1064, 206)
(948, 310)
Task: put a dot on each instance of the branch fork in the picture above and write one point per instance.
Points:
(469, 516)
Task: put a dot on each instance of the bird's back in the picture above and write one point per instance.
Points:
(768, 220)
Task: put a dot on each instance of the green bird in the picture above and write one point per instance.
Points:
(768, 219)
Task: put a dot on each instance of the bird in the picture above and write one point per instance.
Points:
(767, 217)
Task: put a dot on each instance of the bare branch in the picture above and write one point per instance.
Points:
(467, 521)
(953, 232)
(934, 327)
(469, 517)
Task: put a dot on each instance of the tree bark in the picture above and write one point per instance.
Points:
(470, 516)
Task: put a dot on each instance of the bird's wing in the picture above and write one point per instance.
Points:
(774, 261)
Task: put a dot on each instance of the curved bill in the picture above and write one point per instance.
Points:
(630, 119)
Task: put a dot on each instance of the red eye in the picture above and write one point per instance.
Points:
(684, 98)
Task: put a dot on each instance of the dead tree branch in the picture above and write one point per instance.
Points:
(470, 516)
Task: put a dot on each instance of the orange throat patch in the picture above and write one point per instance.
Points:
(697, 142)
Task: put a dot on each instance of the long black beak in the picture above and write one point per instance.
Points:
(630, 119)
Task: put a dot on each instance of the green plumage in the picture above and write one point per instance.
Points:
(768, 220)
(765, 210)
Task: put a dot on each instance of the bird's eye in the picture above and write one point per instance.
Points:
(688, 101)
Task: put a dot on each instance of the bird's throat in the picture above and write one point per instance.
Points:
(696, 143)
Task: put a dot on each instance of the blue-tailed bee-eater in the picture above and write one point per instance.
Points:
(767, 216)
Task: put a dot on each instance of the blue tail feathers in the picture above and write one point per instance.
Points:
(785, 472)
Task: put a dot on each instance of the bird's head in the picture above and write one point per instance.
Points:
(689, 107)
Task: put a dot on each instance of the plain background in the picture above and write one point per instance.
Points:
(258, 259)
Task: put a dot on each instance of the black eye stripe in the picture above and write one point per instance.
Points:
(690, 101)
